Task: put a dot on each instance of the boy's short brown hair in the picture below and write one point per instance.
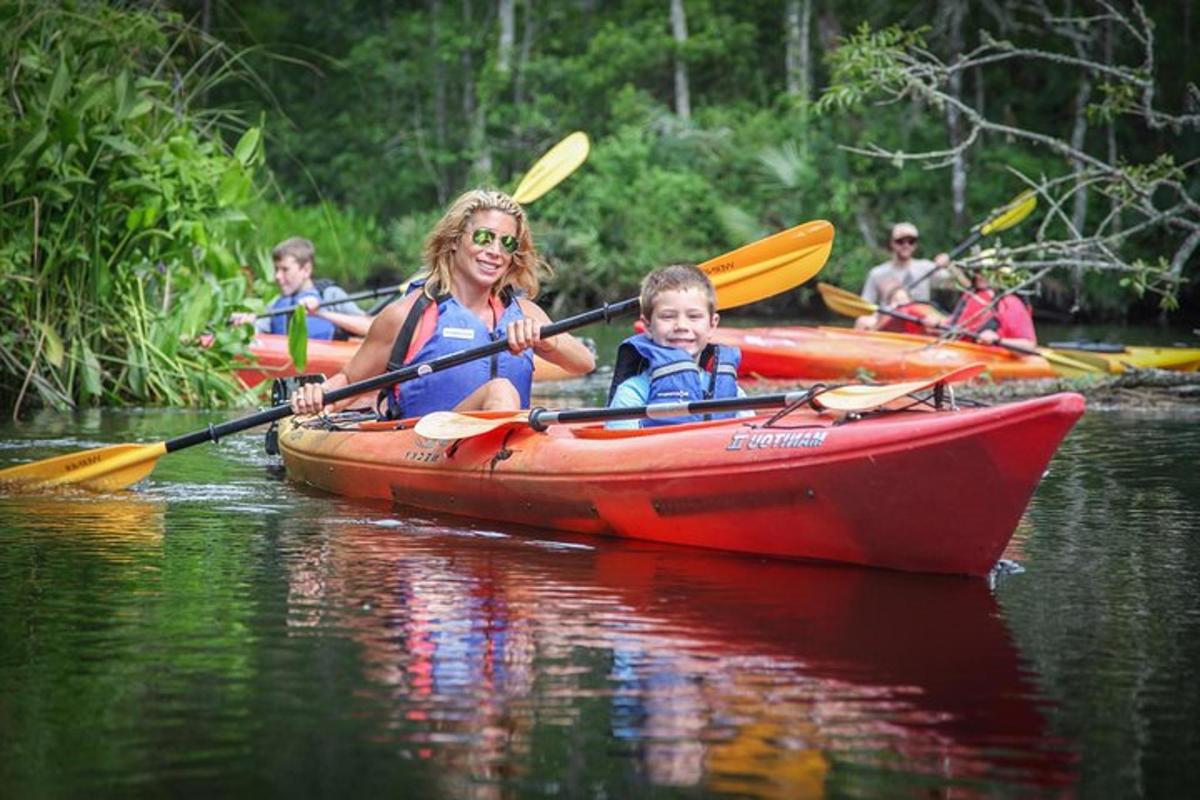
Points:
(673, 277)
(298, 248)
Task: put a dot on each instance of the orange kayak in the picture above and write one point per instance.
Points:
(822, 353)
(915, 490)
(271, 360)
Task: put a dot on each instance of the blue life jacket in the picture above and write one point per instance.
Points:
(457, 329)
(317, 328)
(675, 377)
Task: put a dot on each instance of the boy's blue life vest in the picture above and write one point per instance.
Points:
(675, 377)
(317, 328)
(446, 327)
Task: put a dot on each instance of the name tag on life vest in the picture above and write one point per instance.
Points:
(458, 333)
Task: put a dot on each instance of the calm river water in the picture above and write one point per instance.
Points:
(223, 632)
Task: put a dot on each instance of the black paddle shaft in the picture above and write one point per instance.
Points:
(540, 418)
(972, 335)
(363, 295)
(606, 313)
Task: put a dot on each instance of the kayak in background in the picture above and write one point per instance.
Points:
(272, 360)
(946, 488)
(1122, 357)
(824, 354)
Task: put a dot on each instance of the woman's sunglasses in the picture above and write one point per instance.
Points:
(485, 236)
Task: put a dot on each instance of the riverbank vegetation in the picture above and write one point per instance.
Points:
(152, 154)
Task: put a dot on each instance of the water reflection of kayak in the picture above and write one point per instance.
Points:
(735, 675)
(271, 360)
(917, 490)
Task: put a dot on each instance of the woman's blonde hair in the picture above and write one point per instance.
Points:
(526, 268)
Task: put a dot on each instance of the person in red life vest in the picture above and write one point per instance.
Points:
(1005, 318)
(895, 297)
(484, 273)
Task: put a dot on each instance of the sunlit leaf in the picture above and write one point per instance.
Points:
(298, 338)
(58, 89)
(247, 146)
(90, 370)
(233, 187)
(53, 345)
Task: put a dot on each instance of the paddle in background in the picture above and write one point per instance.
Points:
(449, 425)
(756, 271)
(852, 305)
(1000, 219)
(547, 172)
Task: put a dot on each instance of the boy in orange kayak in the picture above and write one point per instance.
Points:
(484, 272)
(295, 260)
(673, 362)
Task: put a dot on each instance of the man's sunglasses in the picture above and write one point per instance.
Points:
(906, 240)
(485, 236)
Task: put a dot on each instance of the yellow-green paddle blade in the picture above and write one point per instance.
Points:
(845, 303)
(550, 170)
(1004, 218)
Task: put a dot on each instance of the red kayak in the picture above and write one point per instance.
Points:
(916, 490)
(836, 354)
(269, 352)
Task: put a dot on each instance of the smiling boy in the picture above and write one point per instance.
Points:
(673, 362)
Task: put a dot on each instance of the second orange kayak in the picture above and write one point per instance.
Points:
(821, 353)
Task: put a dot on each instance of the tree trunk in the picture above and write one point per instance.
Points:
(504, 50)
(954, 11)
(683, 102)
(797, 21)
(1111, 127)
(474, 111)
(440, 114)
(523, 56)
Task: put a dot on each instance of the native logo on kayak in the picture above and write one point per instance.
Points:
(770, 441)
(426, 451)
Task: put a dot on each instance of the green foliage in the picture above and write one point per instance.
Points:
(350, 245)
(867, 63)
(116, 241)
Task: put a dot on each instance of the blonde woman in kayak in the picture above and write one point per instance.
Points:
(484, 272)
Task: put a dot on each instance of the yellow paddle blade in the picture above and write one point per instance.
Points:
(1073, 364)
(771, 265)
(861, 397)
(453, 425)
(105, 469)
(1004, 218)
(844, 302)
(550, 170)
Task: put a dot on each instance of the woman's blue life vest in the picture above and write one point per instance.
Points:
(675, 377)
(445, 328)
(317, 328)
